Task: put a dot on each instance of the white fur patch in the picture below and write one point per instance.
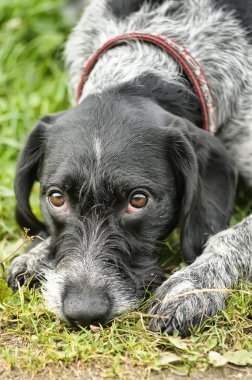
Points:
(97, 149)
(51, 289)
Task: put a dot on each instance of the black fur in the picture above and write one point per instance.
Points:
(178, 100)
(122, 9)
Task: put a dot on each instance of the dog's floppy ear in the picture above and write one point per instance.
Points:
(27, 173)
(206, 178)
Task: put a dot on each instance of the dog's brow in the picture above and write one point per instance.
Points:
(127, 181)
(65, 182)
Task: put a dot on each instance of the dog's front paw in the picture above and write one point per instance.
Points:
(21, 271)
(28, 267)
(179, 305)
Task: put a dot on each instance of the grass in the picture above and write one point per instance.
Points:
(32, 340)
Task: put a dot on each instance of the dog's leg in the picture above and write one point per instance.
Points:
(227, 258)
(29, 265)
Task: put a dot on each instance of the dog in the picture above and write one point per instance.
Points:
(130, 162)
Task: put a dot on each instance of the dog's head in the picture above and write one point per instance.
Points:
(117, 174)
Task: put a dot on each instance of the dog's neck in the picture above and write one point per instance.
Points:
(172, 90)
(191, 70)
(124, 64)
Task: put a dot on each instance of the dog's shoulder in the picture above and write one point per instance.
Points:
(242, 10)
(122, 9)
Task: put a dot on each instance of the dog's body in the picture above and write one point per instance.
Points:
(220, 40)
(134, 139)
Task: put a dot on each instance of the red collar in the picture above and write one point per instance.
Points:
(191, 68)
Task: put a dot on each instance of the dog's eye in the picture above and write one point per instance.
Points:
(56, 199)
(137, 202)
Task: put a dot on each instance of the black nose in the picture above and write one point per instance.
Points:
(86, 308)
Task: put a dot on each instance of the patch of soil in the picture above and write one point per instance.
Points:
(76, 372)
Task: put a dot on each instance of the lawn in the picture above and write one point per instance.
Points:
(33, 82)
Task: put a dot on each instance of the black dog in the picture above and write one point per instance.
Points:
(129, 163)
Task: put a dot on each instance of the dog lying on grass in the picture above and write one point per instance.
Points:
(131, 162)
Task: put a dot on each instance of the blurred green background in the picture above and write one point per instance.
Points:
(33, 82)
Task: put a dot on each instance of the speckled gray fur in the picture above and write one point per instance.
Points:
(226, 60)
